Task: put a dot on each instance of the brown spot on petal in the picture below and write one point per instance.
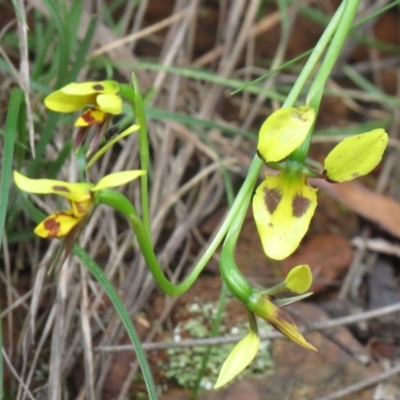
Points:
(58, 188)
(89, 119)
(300, 206)
(272, 197)
(98, 87)
(52, 227)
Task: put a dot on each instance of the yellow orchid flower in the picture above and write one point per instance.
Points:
(298, 280)
(101, 97)
(283, 205)
(79, 195)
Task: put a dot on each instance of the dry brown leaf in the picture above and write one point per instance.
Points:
(373, 206)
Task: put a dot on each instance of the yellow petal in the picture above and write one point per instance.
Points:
(355, 156)
(117, 179)
(239, 358)
(109, 103)
(299, 279)
(111, 143)
(284, 131)
(57, 225)
(92, 116)
(61, 102)
(81, 208)
(88, 88)
(283, 207)
(72, 191)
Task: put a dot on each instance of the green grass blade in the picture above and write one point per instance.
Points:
(83, 51)
(63, 46)
(14, 108)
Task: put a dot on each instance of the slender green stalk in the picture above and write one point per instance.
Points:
(133, 95)
(316, 90)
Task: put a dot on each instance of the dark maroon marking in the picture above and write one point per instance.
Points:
(300, 206)
(52, 227)
(98, 87)
(272, 197)
(87, 117)
(58, 188)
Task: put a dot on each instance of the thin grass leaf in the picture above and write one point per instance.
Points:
(193, 121)
(83, 51)
(63, 45)
(14, 109)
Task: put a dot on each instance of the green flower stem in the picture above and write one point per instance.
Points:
(133, 95)
(119, 202)
(348, 10)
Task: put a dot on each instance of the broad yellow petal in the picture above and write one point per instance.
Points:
(283, 206)
(72, 191)
(109, 103)
(88, 88)
(61, 102)
(117, 179)
(355, 156)
(239, 358)
(284, 131)
(57, 225)
(299, 279)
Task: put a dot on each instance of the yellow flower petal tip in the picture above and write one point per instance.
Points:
(299, 279)
(284, 131)
(355, 156)
(117, 179)
(282, 208)
(239, 358)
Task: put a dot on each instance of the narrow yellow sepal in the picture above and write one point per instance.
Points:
(299, 279)
(126, 132)
(117, 179)
(239, 358)
(282, 208)
(355, 156)
(72, 191)
(283, 131)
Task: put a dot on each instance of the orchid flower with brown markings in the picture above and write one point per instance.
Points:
(100, 98)
(80, 197)
(283, 205)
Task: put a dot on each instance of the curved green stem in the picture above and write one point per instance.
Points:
(133, 95)
(119, 202)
